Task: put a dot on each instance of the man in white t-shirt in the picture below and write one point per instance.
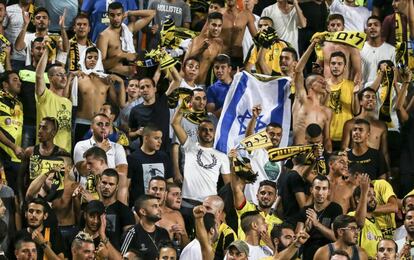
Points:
(287, 18)
(80, 42)
(254, 225)
(202, 168)
(375, 50)
(115, 152)
(355, 16)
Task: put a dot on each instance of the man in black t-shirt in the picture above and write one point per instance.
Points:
(318, 217)
(371, 160)
(145, 236)
(147, 163)
(153, 110)
(47, 238)
(119, 218)
(293, 188)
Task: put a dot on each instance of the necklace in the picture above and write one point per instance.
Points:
(153, 239)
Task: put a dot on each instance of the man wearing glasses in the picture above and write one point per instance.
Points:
(53, 102)
(346, 231)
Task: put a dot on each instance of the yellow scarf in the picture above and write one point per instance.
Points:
(74, 53)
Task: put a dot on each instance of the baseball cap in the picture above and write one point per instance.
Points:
(241, 246)
(95, 206)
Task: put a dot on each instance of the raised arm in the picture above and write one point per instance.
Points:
(237, 184)
(63, 34)
(301, 19)
(20, 44)
(256, 110)
(178, 129)
(40, 85)
(346, 135)
(201, 233)
(261, 61)
(300, 66)
(145, 18)
(175, 82)
(402, 113)
(361, 211)
(356, 65)
(289, 252)
(250, 23)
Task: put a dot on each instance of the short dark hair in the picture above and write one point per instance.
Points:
(81, 16)
(354, 168)
(91, 49)
(110, 172)
(171, 185)
(361, 92)
(157, 178)
(357, 191)
(313, 130)
(217, 2)
(341, 252)
(336, 17)
(388, 239)
(268, 183)
(222, 59)
(277, 230)
(114, 108)
(267, 18)
(3, 2)
(115, 5)
(97, 153)
(139, 203)
(39, 201)
(247, 219)
(149, 128)
(194, 58)
(274, 124)
(166, 244)
(342, 221)
(41, 9)
(292, 51)
(150, 79)
(5, 76)
(53, 121)
(37, 39)
(215, 15)
(320, 177)
(23, 239)
(403, 201)
(361, 121)
(52, 67)
(374, 17)
(99, 114)
(388, 62)
(338, 54)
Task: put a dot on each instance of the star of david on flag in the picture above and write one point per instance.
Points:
(245, 92)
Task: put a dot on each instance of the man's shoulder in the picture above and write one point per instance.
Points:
(84, 144)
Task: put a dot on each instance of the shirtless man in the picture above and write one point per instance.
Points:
(92, 92)
(207, 45)
(353, 69)
(343, 182)
(307, 107)
(113, 51)
(234, 25)
(378, 134)
(172, 220)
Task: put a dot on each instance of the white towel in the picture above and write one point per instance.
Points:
(127, 39)
(98, 70)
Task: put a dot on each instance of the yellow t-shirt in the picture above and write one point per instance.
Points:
(11, 124)
(370, 236)
(50, 104)
(383, 192)
(339, 102)
(270, 219)
(271, 56)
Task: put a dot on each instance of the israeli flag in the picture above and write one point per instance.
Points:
(245, 92)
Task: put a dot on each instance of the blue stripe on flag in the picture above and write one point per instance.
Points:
(276, 116)
(230, 114)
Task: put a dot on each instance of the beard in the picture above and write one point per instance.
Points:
(371, 208)
(264, 205)
(153, 218)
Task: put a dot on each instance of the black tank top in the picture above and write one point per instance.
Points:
(354, 256)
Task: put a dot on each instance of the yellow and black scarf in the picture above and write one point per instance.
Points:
(279, 154)
(4, 43)
(385, 95)
(354, 39)
(74, 54)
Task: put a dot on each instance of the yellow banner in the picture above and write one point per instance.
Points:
(256, 141)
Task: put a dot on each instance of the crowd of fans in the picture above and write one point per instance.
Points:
(108, 113)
